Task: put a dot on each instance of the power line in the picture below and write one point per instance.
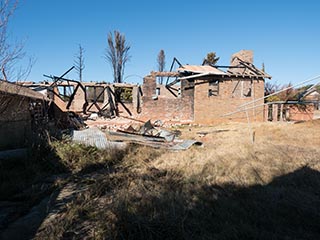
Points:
(259, 99)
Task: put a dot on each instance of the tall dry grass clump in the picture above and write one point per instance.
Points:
(77, 157)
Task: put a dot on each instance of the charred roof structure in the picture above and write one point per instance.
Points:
(204, 93)
(191, 93)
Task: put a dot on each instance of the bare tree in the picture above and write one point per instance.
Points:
(161, 63)
(284, 95)
(270, 88)
(10, 53)
(79, 62)
(211, 59)
(117, 54)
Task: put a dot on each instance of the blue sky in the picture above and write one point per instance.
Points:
(285, 35)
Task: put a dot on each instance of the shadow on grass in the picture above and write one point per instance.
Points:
(18, 174)
(166, 207)
(127, 203)
(26, 185)
(29, 189)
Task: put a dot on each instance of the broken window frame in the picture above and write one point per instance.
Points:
(213, 90)
(123, 94)
(158, 91)
(248, 93)
(242, 89)
(67, 91)
(97, 94)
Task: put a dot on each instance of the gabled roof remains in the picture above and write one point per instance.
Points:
(246, 69)
(241, 66)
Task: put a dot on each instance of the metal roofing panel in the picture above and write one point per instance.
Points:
(96, 138)
(200, 69)
(185, 144)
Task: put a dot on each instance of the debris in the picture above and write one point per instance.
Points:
(117, 133)
(185, 144)
(134, 137)
(95, 137)
(93, 116)
(75, 121)
(169, 136)
(158, 123)
(147, 129)
(152, 136)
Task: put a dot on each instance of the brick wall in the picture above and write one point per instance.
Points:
(79, 100)
(301, 112)
(289, 112)
(166, 106)
(232, 93)
(191, 102)
(15, 121)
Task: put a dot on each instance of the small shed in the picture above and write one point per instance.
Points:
(21, 111)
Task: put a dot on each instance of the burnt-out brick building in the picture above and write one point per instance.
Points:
(200, 94)
(205, 94)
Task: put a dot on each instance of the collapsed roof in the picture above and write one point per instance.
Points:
(241, 66)
(18, 90)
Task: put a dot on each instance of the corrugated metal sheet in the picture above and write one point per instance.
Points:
(157, 142)
(95, 137)
(185, 144)
(201, 69)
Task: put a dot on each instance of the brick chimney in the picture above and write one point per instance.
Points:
(244, 55)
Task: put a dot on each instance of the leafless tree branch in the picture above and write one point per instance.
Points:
(10, 52)
(79, 62)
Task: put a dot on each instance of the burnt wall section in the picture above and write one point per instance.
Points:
(15, 122)
(165, 105)
(149, 87)
(98, 95)
(213, 98)
(22, 112)
(203, 100)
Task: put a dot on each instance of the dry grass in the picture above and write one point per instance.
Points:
(17, 175)
(228, 189)
(230, 156)
(79, 158)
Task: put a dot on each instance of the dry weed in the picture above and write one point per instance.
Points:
(230, 189)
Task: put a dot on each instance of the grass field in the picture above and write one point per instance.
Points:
(258, 182)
